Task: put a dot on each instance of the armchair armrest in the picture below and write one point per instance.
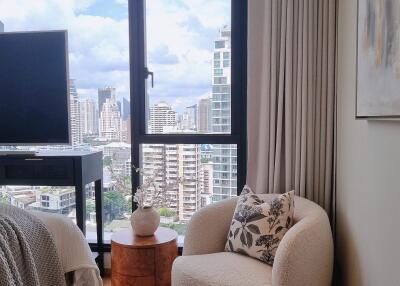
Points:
(305, 254)
(208, 228)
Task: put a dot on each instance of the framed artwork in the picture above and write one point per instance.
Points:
(378, 59)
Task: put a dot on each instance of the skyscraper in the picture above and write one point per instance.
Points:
(170, 162)
(205, 179)
(110, 120)
(187, 121)
(192, 117)
(89, 117)
(188, 171)
(129, 128)
(1, 27)
(75, 114)
(224, 156)
(103, 94)
(126, 109)
(161, 116)
(204, 115)
(119, 106)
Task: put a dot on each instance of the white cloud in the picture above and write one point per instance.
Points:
(99, 51)
(122, 2)
(188, 28)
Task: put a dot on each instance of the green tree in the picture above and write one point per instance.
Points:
(179, 228)
(3, 199)
(107, 161)
(90, 207)
(205, 160)
(166, 212)
(115, 205)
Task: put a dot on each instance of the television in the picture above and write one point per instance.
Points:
(34, 91)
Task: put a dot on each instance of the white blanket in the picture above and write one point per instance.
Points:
(73, 249)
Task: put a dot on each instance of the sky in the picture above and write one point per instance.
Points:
(180, 35)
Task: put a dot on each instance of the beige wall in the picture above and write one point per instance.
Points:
(368, 179)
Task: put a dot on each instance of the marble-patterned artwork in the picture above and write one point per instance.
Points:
(378, 60)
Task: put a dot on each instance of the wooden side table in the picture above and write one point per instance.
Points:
(144, 261)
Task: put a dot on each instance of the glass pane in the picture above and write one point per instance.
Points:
(208, 173)
(189, 50)
(99, 91)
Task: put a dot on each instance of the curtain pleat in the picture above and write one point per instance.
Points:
(291, 97)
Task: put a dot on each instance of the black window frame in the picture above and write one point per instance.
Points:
(138, 75)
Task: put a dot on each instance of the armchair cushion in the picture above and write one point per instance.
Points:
(259, 224)
(224, 268)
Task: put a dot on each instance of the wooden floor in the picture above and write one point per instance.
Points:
(107, 281)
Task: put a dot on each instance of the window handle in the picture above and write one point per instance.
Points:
(149, 73)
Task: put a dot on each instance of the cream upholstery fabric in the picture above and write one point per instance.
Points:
(304, 256)
(223, 268)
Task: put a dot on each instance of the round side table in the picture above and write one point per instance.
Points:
(143, 260)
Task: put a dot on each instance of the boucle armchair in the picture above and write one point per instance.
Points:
(304, 256)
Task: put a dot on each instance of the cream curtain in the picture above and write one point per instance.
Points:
(291, 97)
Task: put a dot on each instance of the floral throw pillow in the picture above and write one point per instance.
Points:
(258, 226)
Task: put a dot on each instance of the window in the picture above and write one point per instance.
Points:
(98, 42)
(220, 80)
(195, 111)
(191, 123)
(218, 72)
(219, 44)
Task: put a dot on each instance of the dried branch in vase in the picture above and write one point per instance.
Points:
(154, 192)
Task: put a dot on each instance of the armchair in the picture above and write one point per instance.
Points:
(304, 256)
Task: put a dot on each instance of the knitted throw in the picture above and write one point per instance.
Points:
(28, 255)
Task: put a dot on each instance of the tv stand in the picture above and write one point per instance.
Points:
(74, 168)
(18, 153)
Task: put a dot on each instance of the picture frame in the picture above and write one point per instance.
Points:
(378, 59)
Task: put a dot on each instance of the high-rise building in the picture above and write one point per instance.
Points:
(124, 131)
(224, 156)
(110, 120)
(103, 94)
(205, 179)
(60, 200)
(188, 171)
(204, 115)
(1, 27)
(119, 107)
(192, 117)
(126, 109)
(170, 162)
(187, 121)
(120, 154)
(89, 117)
(75, 114)
(129, 130)
(161, 116)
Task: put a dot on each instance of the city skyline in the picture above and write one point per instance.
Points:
(198, 102)
(99, 48)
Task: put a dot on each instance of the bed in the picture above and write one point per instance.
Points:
(75, 255)
(43, 249)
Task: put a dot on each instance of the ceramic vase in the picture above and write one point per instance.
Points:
(145, 221)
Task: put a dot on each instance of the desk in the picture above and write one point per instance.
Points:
(75, 168)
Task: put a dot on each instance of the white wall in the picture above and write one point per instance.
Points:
(368, 179)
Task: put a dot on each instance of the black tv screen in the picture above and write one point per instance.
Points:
(34, 103)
